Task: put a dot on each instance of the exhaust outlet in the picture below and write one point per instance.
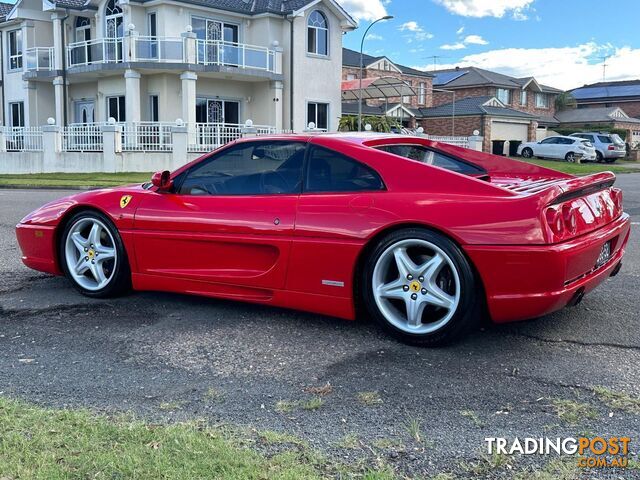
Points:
(577, 297)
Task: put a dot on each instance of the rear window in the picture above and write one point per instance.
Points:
(616, 139)
(433, 157)
(586, 142)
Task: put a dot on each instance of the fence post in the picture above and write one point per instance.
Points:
(475, 141)
(189, 42)
(179, 140)
(277, 58)
(111, 140)
(3, 140)
(51, 146)
(248, 130)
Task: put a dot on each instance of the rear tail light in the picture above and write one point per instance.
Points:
(616, 196)
(611, 147)
(555, 221)
(570, 219)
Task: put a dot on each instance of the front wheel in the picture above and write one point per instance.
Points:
(93, 257)
(527, 153)
(420, 288)
(570, 157)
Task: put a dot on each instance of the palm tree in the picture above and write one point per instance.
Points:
(565, 101)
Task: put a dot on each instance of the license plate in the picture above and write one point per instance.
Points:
(604, 256)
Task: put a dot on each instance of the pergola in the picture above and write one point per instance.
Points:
(376, 88)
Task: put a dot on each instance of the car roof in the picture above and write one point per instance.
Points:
(592, 133)
(358, 138)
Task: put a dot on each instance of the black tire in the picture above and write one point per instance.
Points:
(120, 281)
(527, 152)
(468, 311)
(610, 160)
(599, 157)
(570, 157)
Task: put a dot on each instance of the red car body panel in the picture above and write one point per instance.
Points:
(303, 251)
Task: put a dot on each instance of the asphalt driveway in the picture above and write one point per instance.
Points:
(173, 357)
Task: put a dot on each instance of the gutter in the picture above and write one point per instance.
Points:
(290, 20)
(63, 42)
(4, 119)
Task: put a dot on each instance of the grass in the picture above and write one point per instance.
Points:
(312, 404)
(581, 168)
(488, 464)
(74, 179)
(369, 398)
(618, 400)
(573, 412)
(414, 428)
(473, 416)
(39, 443)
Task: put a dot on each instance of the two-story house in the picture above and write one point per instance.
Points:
(623, 94)
(499, 106)
(202, 61)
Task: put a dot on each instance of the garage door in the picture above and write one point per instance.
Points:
(509, 131)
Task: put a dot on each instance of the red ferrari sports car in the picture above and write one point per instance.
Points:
(423, 236)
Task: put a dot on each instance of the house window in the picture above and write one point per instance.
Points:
(542, 101)
(153, 24)
(116, 108)
(422, 93)
(504, 95)
(154, 111)
(317, 34)
(318, 113)
(16, 110)
(351, 76)
(15, 49)
(523, 98)
(83, 29)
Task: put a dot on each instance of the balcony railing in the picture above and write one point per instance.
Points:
(103, 50)
(158, 49)
(216, 52)
(39, 58)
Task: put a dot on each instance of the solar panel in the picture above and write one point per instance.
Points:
(443, 78)
(611, 91)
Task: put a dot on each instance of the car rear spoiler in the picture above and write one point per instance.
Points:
(566, 190)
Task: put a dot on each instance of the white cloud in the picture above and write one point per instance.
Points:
(562, 67)
(374, 36)
(460, 30)
(475, 40)
(453, 46)
(365, 9)
(417, 32)
(411, 26)
(487, 8)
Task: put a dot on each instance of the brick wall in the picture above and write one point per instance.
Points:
(464, 126)
(442, 98)
(412, 80)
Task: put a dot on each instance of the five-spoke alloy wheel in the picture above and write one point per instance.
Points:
(419, 286)
(93, 256)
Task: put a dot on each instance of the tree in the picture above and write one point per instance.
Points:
(565, 101)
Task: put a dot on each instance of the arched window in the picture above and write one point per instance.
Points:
(114, 20)
(83, 29)
(317, 33)
(112, 9)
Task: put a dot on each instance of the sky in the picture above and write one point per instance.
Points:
(559, 42)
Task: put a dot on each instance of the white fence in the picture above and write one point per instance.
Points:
(102, 50)
(23, 139)
(209, 136)
(158, 49)
(217, 52)
(81, 137)
(457, 141)
(147, 137)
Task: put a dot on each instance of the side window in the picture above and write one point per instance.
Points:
(605, 139)
(432, 157)
(550, 141)
(566, 141)
(253, 168)
(330, 171)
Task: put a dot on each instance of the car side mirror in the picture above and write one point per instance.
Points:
(162, 180)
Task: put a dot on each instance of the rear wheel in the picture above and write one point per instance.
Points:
(570, 157)
(527, 152)
(93, 257)
(420, 288)
(610, 160)
(599, 157)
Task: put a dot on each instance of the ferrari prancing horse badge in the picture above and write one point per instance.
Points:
(124, 201)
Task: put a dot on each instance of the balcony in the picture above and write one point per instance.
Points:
(217, 52)
(90, 52)
(172, 50)
(39, 59)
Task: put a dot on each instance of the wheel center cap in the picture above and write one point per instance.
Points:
(415, 286)
(91, 254)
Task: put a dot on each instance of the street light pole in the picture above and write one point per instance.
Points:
(386, 17)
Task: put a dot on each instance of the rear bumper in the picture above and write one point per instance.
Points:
(37, 243)
(524, 282)
(614, 153)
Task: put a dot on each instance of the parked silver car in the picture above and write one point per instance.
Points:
(559, 147)
(609, 146)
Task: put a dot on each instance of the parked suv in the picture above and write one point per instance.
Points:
(609, 146)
